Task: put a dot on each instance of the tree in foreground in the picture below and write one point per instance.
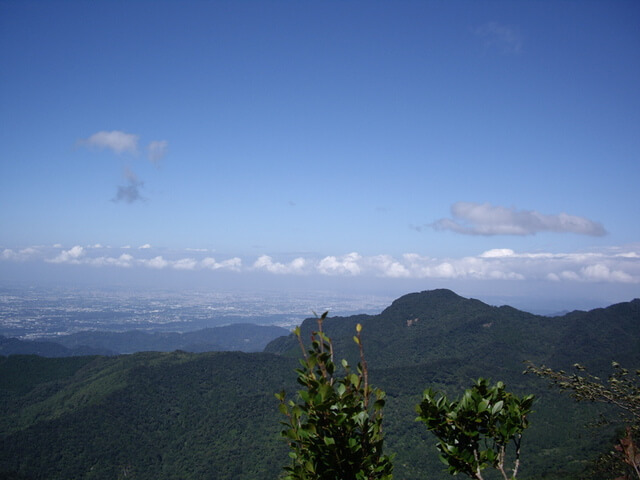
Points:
(622, 390)
(475, 432)
(334, 429)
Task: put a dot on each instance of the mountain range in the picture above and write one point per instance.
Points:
(213, 415)
(243, 337)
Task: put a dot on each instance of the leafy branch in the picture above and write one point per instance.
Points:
(333, 430)
(622, 390)
(475, 431)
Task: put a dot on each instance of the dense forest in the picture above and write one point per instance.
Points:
(214, 415)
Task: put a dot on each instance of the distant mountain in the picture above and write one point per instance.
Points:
(612, 332)
(557, 314)
(14, 346)
(236, 337)
(213, 415)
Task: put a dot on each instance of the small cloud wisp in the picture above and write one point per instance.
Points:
(130, 192)
(115, 140)
(502, 38)
(156, 151)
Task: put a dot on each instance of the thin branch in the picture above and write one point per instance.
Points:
(516, 463)
(304, 351)
(478, 470)
(501, 457)
(363, 363)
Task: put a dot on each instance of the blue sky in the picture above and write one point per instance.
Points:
(489, 147)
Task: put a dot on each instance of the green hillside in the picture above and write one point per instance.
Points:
(150, 415)
(213, 415)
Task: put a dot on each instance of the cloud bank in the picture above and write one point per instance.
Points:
(486, 219)
(612, 265)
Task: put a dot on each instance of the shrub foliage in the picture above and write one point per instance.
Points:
(475, 431)
(334, 429)
(622, 390)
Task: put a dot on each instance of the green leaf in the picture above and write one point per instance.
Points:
(329, 441)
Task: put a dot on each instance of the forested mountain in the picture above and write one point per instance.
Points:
(214, 416)
(15, 346)
(242, 337)
(429, 326)
(147, 415)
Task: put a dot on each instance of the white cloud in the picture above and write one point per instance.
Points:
(348, 264)
(389, 267)
(115, 140)
(157, 150)
(265, 262)
(602, 273)
(155, 262)
(21, 255)
(619, 265)
(569, 275)
(8, 254)
(602, 266)
(125, 260)
(234, 264)
(628, 255)
(486, 219)
(480, 267)
(494, 264)
(497, 252)
(73, 255)
(185, 264)
(78, 255)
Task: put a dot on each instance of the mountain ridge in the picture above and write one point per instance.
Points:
(437, 320)
(244, 337)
